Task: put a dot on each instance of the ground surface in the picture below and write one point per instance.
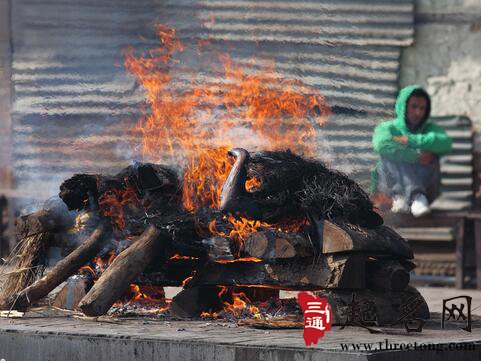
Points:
(66, 336)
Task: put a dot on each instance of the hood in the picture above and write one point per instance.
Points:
(401, 105)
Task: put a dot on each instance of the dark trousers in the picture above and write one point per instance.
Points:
(407, 180)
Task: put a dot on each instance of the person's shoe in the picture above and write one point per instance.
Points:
(399, 205)
(420, 206)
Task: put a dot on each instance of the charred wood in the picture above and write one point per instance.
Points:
(74, 290)
(332, 271)
(386, 305)
(388, 275)
(272, 244)
(127, 266)
(157, 186)
(336, 238)
(62, 270)
(345, 237)
(34, 234)
(43, 221)
(219, 248)
(191, 302)
(257, 294)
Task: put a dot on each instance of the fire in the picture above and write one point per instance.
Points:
(242, 228)
(252, 184)
(166, 308)
(88, 269)
(197, 124)
(206, 314)
(202, 182)
(146, 294)
(241, 304)
(99, 265)
(244, 259)
(112, 204)
(186, 281)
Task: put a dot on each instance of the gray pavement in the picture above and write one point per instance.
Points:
(70, 337)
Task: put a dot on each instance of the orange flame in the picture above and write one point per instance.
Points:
(101, 264)
(202, 183)
(146, 294)
(112, 204)
(252, 184)
(88, 269)
(242, 228)
(244, 259)
(260, 104)
(187, 280)
(240, 304)
(206, 314)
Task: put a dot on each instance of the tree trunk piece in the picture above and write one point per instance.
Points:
(387, 275)
(331, 271)
(125, 268)
(42, 221)
(62, 270)
(271, 245)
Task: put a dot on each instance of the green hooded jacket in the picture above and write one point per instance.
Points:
(429, 137)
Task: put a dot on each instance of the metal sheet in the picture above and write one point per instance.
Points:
(73, 100)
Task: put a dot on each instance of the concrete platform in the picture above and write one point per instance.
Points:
(70, 339)
(63, 336)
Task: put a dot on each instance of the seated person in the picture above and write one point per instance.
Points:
(409, 147)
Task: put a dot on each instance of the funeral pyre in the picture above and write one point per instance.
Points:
(231, 227)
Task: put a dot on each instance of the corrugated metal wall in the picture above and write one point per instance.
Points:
(73, 99)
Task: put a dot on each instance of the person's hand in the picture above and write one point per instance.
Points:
(426, 158)
(400, 139)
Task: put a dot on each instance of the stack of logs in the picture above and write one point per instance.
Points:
(168, 246)
(349, 258)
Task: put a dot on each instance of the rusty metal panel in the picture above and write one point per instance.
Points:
(73, 100)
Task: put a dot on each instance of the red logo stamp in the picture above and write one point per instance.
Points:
(317, 316)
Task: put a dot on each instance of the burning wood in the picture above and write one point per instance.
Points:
(123, 270)
(271, 219)
(62, 270)
(26, 264)
(297, 239)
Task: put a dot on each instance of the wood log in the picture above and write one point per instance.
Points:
(42, 221)
(62, 270)
(34, 234)
(387, 275)
(191, 302)
(128, 265)
(331, 271)
(72, 293)
(386, 305)
(347, 238)
(272, 244)
(170, 273)
(219, 248)
(257, 294)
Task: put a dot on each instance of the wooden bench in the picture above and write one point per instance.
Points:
(456, 205)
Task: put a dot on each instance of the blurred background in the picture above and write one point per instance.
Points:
(67, 103)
